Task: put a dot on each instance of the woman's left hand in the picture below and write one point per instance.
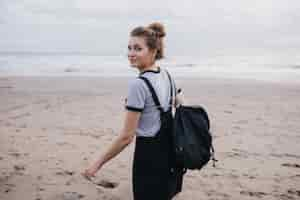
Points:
(91, 171)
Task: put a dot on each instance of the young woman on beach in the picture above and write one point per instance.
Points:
(151, 124)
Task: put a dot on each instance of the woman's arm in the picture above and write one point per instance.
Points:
(125, 138)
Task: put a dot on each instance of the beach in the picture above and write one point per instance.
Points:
(52, 128)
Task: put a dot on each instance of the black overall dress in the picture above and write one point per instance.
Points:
(153, 173)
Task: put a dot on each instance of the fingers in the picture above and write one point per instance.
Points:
(87, 175)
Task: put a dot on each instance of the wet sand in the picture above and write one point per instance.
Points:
(52, 128)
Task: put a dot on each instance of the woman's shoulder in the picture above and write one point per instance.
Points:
(136, 84)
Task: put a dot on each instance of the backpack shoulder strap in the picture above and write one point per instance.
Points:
(153, 93)
(171, 89)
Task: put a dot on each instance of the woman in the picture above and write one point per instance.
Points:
(145, 119)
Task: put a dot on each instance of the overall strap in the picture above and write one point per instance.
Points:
(153, 93)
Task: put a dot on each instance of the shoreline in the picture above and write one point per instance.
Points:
(128, 77)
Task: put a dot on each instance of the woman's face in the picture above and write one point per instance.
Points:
(139, 55)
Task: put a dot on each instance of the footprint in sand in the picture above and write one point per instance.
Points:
(105, 197)
(4, 177)
(295, 176)
(7, 190)
(102, 183)
(249, 176)
(15, 154)
(106, 184)
(253, 194)
(65, 172)
(293, 165)
(68, 183)
(215, 193)
(228, 111)
(65, 144)
(39, 177)
(284, 197)
(285, 155)
(237, 153)
(72, 196)
(8, 187)
(19, 167)
(20, 116)
(40, 189)
(294, 192)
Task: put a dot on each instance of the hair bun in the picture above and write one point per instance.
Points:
(158, 28)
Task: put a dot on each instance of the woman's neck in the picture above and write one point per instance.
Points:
(150, 67)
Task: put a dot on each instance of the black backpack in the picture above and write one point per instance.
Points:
(192, 140)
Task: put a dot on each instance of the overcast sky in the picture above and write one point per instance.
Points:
(192, 25)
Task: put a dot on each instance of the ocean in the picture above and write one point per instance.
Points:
(265, 67)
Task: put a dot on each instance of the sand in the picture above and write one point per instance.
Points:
(52, 128)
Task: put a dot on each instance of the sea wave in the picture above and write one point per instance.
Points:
(95, 65)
